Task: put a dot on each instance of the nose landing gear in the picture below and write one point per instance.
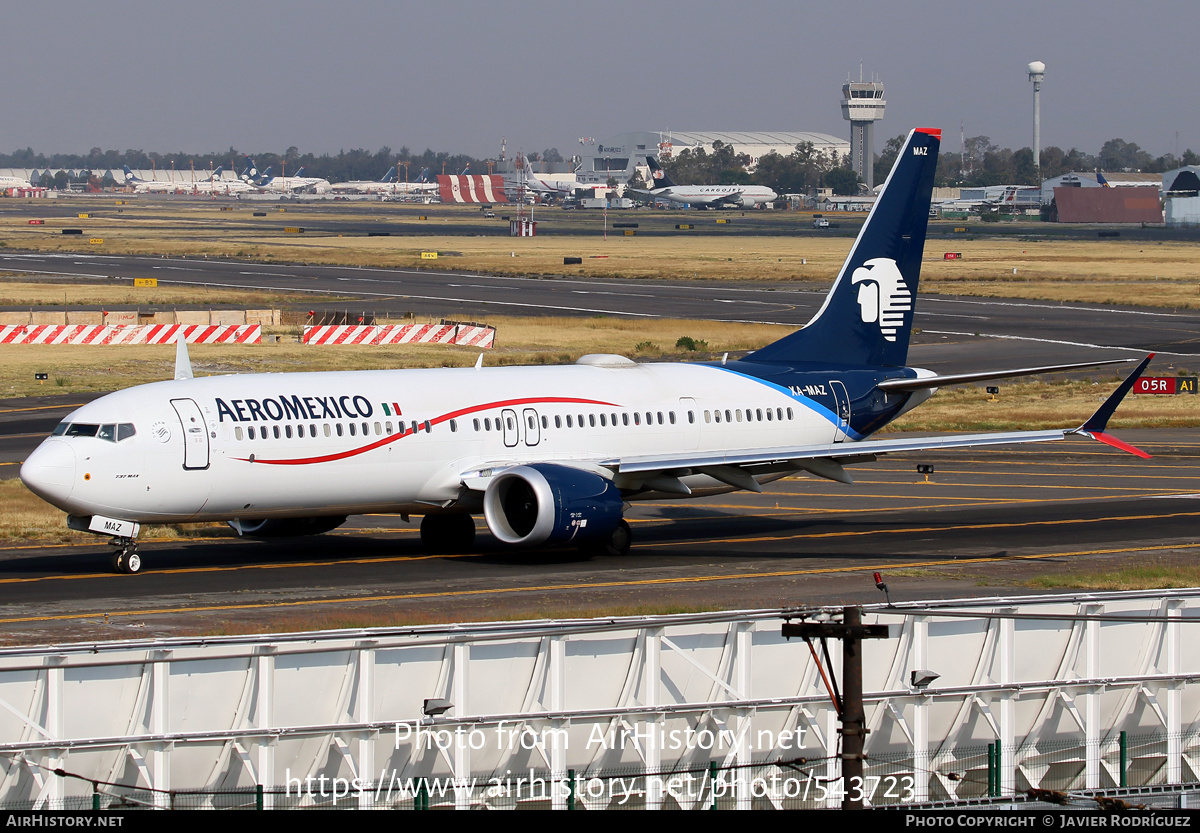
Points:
(125, 558)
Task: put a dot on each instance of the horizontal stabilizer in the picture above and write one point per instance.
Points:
(965, 378)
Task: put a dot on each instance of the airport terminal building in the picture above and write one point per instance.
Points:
(619, 156)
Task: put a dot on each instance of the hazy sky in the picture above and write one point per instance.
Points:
(458, 75)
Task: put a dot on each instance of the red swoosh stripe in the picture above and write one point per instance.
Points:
(354, 452)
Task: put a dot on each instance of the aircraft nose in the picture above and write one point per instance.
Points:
(49, 471)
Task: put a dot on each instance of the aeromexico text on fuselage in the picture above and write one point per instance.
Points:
(279, 408)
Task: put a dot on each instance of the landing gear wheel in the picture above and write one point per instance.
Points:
(447, 534)
(126, 559)
(616, 544)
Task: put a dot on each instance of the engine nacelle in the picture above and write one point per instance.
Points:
(283, 527)
(544, 503)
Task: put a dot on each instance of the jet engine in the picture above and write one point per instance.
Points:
(284, 527)
(544, 503)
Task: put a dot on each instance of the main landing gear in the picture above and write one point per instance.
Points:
(616, 543)
(125, 558)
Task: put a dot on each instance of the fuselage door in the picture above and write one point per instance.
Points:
(195, 434)
(842, 398)
(533, 431)
(512, 428)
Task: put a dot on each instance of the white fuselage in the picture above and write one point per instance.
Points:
(7, 182)
(743, 195)
(299, 445)
(288, 184)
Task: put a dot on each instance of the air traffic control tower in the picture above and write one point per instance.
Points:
(862, 106)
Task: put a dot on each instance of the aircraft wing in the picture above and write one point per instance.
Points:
(827, 459)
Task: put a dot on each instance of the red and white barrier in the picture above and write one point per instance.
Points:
(476, 189)
(464, 334)
(129, 333)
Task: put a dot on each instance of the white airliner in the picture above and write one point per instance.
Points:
(548, 455)
(705, 196)
(7, 182)
(366, 186)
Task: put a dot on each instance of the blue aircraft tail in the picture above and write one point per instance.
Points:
(424, 177)
(390, 176)
(867, 316)
(658, 177)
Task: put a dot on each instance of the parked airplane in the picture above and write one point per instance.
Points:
(208, 183)
(7, 182)
(548, 455)
(366, 186)
(705, 196)
(545, 187)
(423, 184)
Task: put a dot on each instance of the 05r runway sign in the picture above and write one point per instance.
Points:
(1165, 384)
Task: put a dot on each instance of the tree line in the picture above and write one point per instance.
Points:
(980, 163)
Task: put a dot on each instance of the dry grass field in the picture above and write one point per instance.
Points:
(1095, 271)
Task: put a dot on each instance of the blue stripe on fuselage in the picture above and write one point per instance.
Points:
(814, 406)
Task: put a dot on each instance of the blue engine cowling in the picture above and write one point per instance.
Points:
(543, 503)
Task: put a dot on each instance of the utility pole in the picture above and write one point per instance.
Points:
(851, 713)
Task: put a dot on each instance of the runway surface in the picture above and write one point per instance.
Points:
(985, 525)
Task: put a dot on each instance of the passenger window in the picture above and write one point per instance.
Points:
(312, 430)
(558, 422)
(603, 421)
(758, 414)
(287, 429)
(353, 430)
(339, 429)
(476, 421)
(366, 429)
(592, 420)
(378, 429)
(624, 419)
(275, 431)
(739, 414)
(453, 427)
(327, 429)
(237, 432)
(545, 422)
(569, 425)
(637, 418)
(789, 413)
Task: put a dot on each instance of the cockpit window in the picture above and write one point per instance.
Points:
(111, 433)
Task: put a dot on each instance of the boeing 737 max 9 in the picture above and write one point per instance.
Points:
(548, 455)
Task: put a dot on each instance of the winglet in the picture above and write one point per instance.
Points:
(1098, 422)
(183, 363)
